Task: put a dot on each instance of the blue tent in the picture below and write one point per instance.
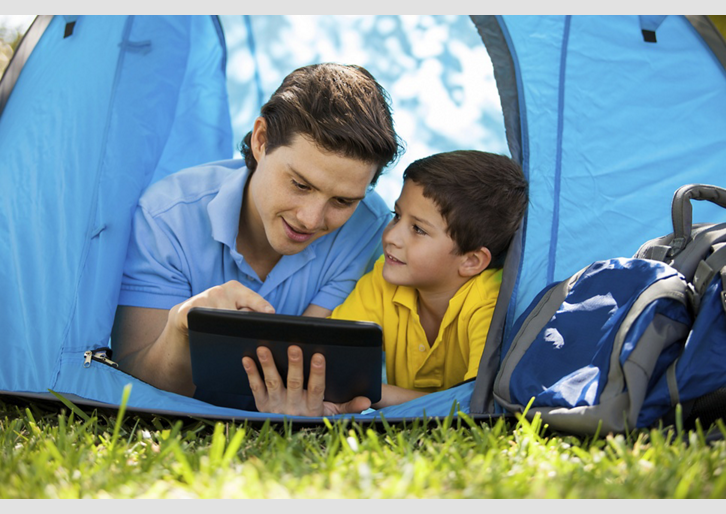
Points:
(608, 116)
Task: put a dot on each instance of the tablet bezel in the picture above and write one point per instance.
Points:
(218, 339)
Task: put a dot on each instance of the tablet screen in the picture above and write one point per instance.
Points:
(218, 339)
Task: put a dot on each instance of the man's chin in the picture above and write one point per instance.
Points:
(290, 247)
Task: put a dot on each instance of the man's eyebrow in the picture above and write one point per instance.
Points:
(304, 179)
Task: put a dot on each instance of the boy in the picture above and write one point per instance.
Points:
(434, 289)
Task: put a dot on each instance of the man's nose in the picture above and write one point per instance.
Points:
(311, 215)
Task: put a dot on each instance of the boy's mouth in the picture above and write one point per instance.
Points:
(390, 259)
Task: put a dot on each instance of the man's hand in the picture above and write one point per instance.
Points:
(153, 344)
(271, 395)
(231, 296)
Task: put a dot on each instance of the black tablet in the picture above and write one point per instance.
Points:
(218, 339)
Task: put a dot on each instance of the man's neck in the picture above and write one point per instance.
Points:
(252, 241)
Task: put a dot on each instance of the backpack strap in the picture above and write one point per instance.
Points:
(706, 270)
(672, 381)
(681, 210)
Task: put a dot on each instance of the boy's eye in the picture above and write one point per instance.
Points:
(396, 217)
(418, 230)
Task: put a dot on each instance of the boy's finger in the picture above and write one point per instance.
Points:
(355, 406)
(316, 385)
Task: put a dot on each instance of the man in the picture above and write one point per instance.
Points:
(290, 230)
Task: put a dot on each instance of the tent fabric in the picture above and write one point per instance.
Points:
(93, 119)
(611, 127)
(606, 123)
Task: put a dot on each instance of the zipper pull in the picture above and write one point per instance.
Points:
(98, 355)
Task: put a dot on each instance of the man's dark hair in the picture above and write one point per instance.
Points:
(341, 108)
(482, 197)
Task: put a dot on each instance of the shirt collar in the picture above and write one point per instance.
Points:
(224, 210)
(408, 297)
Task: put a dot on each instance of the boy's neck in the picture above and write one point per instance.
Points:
(432, 307)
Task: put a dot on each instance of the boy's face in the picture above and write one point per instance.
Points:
(418, 251)
(298, 193)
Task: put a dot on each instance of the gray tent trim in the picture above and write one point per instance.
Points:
(711, 36)
(25, 48)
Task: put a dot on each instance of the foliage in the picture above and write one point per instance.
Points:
(9, 40)
(11, 36)
(47, 453)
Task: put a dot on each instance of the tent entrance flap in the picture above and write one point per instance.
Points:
(93, 109)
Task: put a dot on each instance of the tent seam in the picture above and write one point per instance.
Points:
(94, 203)
(554, 233)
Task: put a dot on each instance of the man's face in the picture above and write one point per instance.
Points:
(299, 193)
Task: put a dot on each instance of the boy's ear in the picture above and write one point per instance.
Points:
(475, 262)
(259, 138)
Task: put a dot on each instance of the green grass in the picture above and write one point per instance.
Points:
(52, 452)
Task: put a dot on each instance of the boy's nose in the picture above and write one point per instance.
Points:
(391, 235)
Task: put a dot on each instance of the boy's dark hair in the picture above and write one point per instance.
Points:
(482, 196)
(339, 107)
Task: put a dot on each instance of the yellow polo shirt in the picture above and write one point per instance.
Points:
(410, 361)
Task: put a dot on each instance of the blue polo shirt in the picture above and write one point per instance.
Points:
(183, 241)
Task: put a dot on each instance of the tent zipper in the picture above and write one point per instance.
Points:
(102, 355)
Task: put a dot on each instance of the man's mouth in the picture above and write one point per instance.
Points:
(296, 235)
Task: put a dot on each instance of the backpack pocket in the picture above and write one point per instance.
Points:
(587, 350)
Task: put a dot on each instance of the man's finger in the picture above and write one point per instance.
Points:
(295, 380)
(257, 385)
(316, 385)
(272, 379)
(247, 299)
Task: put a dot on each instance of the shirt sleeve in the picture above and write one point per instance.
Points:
(479, 323)
(364, 303)
(154, 274)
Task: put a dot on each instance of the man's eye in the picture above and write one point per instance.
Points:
(342, 202)
(301, 187)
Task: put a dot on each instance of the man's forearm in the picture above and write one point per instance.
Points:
(147, 346)
(162, 365)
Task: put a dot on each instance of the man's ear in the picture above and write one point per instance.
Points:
(259, 138)
(475, 262)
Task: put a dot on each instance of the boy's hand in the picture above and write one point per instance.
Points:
(271, 395)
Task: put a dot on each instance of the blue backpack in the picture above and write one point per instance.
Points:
(620, 343)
